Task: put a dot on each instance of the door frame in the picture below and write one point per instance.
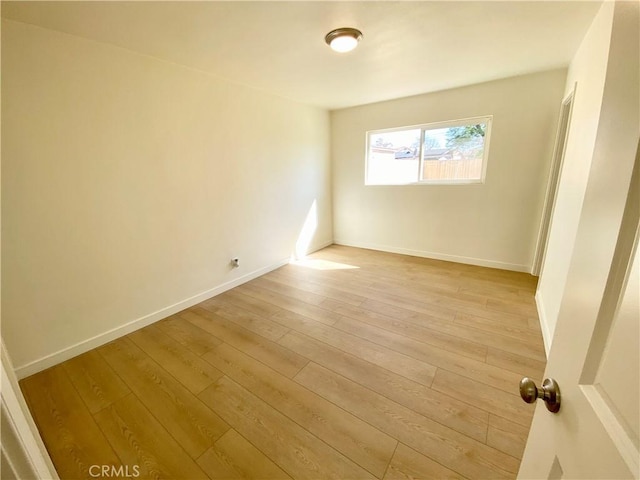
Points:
(23, 450)
(559, 150)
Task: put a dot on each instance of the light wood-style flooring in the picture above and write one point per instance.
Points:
(355, 364)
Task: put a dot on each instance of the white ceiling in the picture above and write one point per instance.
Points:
(408, 48)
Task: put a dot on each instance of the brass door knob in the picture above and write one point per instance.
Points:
(550, 393)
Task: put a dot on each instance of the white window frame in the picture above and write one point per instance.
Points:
(488, 119)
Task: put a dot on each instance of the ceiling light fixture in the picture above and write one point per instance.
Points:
(343, 39)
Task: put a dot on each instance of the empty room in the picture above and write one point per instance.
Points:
(320, 240)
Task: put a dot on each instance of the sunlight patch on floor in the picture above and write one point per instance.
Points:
(319, 264)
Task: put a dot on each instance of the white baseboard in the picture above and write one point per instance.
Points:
(544, 324)
(439, 256)
(53, 359)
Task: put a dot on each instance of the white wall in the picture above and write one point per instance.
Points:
(128, 183)
(587, 73)
(493, 224)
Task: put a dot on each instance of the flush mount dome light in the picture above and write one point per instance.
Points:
(343, 39)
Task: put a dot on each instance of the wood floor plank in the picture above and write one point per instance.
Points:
(413, 292)
(517, 308)
(72, 437)
(496, 316)
(501, 277)
(142, 443)
(186, 334)
(233, 457)
(520, 331)
(251, 321)
(397, 362)
(507, 436)
(512, 293)
(398, 339)
(434, 280)
(415, 280)
(289, 304)
(288, 291)
(502, 335)
(235, 297)
(353, 282)
(187, 367)
(297, 321)
(476, 393)
(320, 289)
(425, 333)
(439, 310)
(489, 333)
(359, 441)
(343, 279)
(438, 357)
(451, 449)
(96, 382)
(187, 419)
(394, 267)
(294, 449)
(396, 309)
(276, 356)
(444, 275)
(530, 347)
(534, 323)
(524, 366)
(407, 464)
(443, 409)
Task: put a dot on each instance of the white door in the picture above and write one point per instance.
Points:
(595, 356)
(595, 434)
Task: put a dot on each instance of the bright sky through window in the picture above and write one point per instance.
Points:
(442, 153)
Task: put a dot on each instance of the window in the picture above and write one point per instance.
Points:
(437, 153)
